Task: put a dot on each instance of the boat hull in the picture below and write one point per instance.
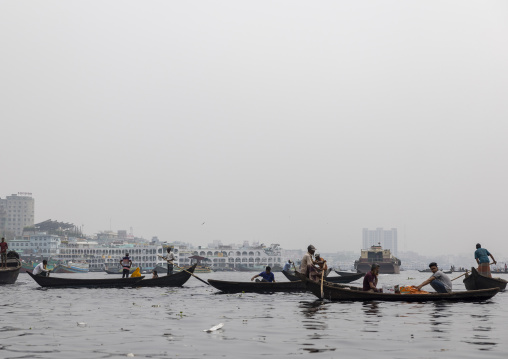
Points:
(476, 281)
(257, 287)
(337, 292)
(174, 280)
(10, 274)
(56, 282)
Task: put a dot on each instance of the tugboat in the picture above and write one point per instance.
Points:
(388, 264)
(9, 275)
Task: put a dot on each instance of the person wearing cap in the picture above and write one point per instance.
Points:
(370, 279)
(287, 266)
(307, 265)
(482, 258)
(438, 280)
(126, 264)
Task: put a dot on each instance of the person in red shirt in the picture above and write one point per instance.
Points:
(370, 279)
(3, 252)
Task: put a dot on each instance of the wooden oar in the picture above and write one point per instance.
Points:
(192, 274)
(322, 280)
(461, 275)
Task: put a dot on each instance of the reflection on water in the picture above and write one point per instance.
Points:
(438, 321)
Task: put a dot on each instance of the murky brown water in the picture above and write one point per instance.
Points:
(169, 323)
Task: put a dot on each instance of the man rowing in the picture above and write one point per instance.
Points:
(41, 269)
(170, 257)
(307, 267)
(267, 276)
(482, 258)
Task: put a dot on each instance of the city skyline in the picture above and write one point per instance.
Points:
(292, 124)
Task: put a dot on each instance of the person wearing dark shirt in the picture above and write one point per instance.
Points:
(482, 258)
(267, 276)
(3, 252)
(370, 279)
(126, 264)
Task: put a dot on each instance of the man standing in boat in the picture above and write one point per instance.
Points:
(126, 264)
(170, 257)
(438, 280)
(3, 252)
(482, 258)
(370, 279)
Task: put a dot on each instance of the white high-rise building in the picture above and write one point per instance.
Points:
(386, 238)
(18, 212)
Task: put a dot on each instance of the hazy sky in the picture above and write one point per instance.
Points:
(290, 122)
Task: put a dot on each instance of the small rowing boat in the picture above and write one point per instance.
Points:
(475, 281)
(337, 292)
(59, 282)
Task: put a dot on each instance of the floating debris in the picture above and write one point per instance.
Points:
(81, 324)
(214, 328)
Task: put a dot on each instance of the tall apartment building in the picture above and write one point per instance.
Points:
(16, 212)
(387, 239)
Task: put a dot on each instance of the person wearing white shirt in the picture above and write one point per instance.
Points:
(170, 258)
(41, 269)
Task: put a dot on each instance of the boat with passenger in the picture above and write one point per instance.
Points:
(9, 275)
(475, 280)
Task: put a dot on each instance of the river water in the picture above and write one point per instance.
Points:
(169, 323)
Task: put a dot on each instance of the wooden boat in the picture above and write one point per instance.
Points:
(337, 292)
(257, 287)
(59, 282)
(475, 281)
(9, 275)
(346, 279)
(174, 280)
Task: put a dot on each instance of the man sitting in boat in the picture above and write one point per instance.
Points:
(482, 258)
(320, 266)
(307, 265)
(267, 276)
(287, 266)
(370, 279)
(41, 269)
(154, 274)
(438, 280)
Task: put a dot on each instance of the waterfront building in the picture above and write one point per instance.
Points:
(36, 245)
(16, 212)
(380, 237)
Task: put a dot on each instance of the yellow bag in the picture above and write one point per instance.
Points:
(136, 273)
